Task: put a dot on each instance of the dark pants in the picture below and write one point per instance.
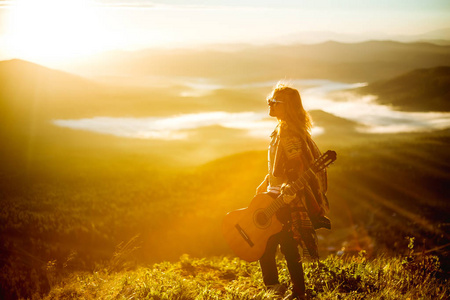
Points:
(289, 248)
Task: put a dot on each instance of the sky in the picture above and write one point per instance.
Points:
(52, 30)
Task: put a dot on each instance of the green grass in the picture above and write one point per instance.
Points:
(410, 277)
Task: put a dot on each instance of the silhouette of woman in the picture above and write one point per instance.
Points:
(292, 151)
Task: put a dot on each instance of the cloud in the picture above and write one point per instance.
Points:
(177, 5)
(6, 3)
(174, 127)
(125, 4)
(145, 5)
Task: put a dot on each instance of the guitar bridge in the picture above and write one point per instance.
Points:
(244, 235)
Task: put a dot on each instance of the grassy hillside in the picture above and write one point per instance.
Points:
(73, 208)
(418, 90)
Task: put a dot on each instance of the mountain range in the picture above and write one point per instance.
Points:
(359, 62)
(34, 93)
(439, 36)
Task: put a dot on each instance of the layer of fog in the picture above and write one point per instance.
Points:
(333, 97)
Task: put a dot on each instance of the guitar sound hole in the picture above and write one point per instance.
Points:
(261, 219)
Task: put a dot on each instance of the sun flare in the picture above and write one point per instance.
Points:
(54, 30)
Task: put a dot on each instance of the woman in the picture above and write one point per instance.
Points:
(291, 152)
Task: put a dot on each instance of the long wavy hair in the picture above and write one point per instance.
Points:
(296, 117)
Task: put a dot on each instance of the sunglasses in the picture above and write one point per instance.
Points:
(272, 101)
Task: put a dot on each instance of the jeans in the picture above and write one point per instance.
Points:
(289, 248)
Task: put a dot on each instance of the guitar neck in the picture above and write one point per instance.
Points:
(321, 163)
(298, 184)
(293, 187)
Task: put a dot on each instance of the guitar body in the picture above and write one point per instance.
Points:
(247, 230)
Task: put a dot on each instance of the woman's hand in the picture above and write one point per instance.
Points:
(262, 188)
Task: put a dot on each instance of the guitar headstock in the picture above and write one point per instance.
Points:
(324, 161)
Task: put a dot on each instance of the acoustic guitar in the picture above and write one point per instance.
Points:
(247, 230)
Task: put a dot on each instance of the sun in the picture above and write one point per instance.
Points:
(53, 30)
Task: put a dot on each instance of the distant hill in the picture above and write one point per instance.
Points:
(28, 90)
(333, 123)
(31, 91)
(17, 72)
(337, 130)
(439, 34)
(418, 90)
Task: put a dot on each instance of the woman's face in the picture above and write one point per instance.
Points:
(276, 108)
